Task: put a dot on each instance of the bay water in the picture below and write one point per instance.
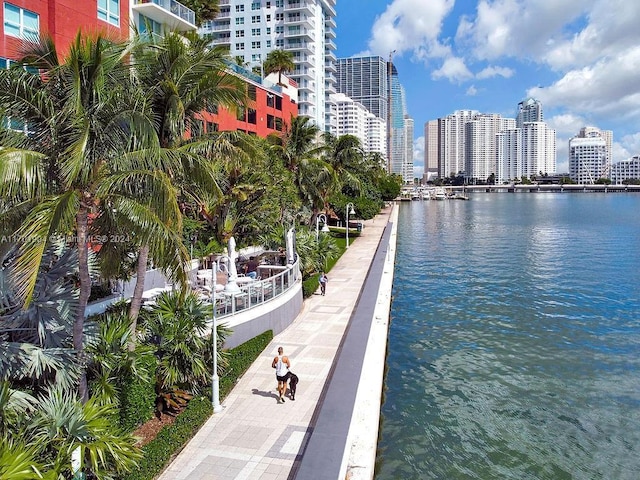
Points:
(514, 342)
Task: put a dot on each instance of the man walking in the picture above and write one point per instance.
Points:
(282, 365)
(323, 280)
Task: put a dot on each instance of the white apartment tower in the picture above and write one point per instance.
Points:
(431, 142)
(451, 154)
(376, 136)
(607, 135)
(407, 163)
(526, 151)
(529, 110)
(352, 117)
(480, 145)
(588, 158)
(250, 29)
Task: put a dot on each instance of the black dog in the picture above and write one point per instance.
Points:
(293, 384)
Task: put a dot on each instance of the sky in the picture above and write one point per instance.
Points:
(579, 58)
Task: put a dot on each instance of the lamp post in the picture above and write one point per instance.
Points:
(325, 227)
(215, 379)
(349, 212)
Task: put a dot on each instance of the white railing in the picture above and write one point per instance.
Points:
(257, 292)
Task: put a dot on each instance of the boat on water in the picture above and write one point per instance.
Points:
(439, 194)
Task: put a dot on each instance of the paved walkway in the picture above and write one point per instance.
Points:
(255, 437)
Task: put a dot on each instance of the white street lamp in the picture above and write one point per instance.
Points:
(325, 227)
(349, 212)
(215, 379)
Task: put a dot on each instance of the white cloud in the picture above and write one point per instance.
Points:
(453, 69)
(519, 28)
(608, 88)
(472, 91)
(410, 25)
(418, 151)
(489, 72)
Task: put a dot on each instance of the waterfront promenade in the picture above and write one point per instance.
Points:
(255, 437)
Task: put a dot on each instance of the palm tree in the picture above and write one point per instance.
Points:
(180, 327)
(184, 77)
(82, 114)
(279, 61)
(345, 156)
(299, 150)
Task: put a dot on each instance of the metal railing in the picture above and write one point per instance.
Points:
(176, 8)
(256, 292)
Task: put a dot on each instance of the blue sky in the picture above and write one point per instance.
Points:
(580, 58)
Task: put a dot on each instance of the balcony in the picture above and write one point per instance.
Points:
(167, 12)
(301, 6)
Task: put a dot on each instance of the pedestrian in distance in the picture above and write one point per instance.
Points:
(323, 280)
(282, 365)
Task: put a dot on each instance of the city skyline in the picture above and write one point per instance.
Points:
(579, 59)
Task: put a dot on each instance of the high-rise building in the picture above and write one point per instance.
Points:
(529, 110)
(431, 144)
(607, 135)
(407, 163)
(525, 152)
(352, 117)
(377, 137)
(401, 146)
(588, 158)
(250, 29)
(451, 152)
(480, 145)
(365, 80)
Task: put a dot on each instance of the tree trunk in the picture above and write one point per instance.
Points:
(136, 299)
(82, 225)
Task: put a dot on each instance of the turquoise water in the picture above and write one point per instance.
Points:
(514, 344)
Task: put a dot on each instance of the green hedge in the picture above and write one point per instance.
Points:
(138, 395)
(172, 438)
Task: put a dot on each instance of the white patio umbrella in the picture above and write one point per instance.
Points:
(291, 250)
(231, 285)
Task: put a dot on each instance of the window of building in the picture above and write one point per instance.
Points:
(109, 11)
(255, 19)
(251, 92)
(268, 18)
(19, 22)
(271, 122)
(278, 124)
(255, 32)
(279, 3)
(278, 103)
(280, 29)
(268, 43)
(268, 30)
(255, 45)
(279, 17)
(251, 116)
(149, 26)
(270, 99)
(268, 5)
(239, 46)
(255, 6)
(240, 34)
(239, 8)
(280, 43)
(239, 20)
